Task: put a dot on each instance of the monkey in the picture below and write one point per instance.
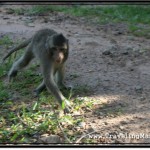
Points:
(51, 49)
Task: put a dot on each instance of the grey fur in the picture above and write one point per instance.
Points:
(41, 46)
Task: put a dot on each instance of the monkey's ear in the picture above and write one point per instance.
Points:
(60, 35)
(49, 43)
(67, 41)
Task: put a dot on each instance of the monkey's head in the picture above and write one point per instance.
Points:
(58, 48)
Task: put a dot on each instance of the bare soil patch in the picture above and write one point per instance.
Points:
(111, 62)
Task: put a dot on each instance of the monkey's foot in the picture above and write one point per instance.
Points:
(11, 75)
(67, 107)
(36, 93)
(69, 87)
(66, 110)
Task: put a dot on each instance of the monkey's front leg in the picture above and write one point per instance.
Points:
(60, 78)
(48, 75)
(52, 87)
(39, 89)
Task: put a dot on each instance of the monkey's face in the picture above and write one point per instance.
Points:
(58, 48)
(59, 54)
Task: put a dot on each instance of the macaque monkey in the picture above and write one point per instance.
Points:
(51, 49)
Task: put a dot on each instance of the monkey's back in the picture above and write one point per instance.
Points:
(42, 34)
(39, 41)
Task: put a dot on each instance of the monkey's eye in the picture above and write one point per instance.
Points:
(54, 48)
(63, 50)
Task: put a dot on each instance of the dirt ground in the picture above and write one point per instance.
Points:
(109, 60)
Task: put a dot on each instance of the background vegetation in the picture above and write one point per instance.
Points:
(135, 16)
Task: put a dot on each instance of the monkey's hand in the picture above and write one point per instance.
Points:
(66, 87)
(12, 74)
(67, 106)
(69, 87)
(36, 93)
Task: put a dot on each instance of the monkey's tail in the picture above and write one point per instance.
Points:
(22, 45)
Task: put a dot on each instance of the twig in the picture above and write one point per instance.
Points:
(21, 118)
(65, 136)
(77, 141)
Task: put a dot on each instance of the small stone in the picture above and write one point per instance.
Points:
(114, 48)
(131, 69)
(142, 98)
(118, 32)
(112, 115)
(100, 117)
(130, 37)
(94, 121)
(5, 18)
(90, 130)
(76, 113)
(138, 89)
(105, 123)
(68, 34)
(123, 122)
(31, 25)
(98, 29)
(50, 139)
(129, 48)
(121, 127)
(125, 53)
(106, 52)
(45, 20)
(82, 124)
(45, 135)
(77, 128)
(101, 114)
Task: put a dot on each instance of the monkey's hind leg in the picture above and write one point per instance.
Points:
(20, 63)
(59, 78)
(39, 89)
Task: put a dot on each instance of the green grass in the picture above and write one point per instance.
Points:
(104, 13)
(5, 41)
(3, 92)
(21, 120)
(132, 15)
(26, 117)
(107, 14)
